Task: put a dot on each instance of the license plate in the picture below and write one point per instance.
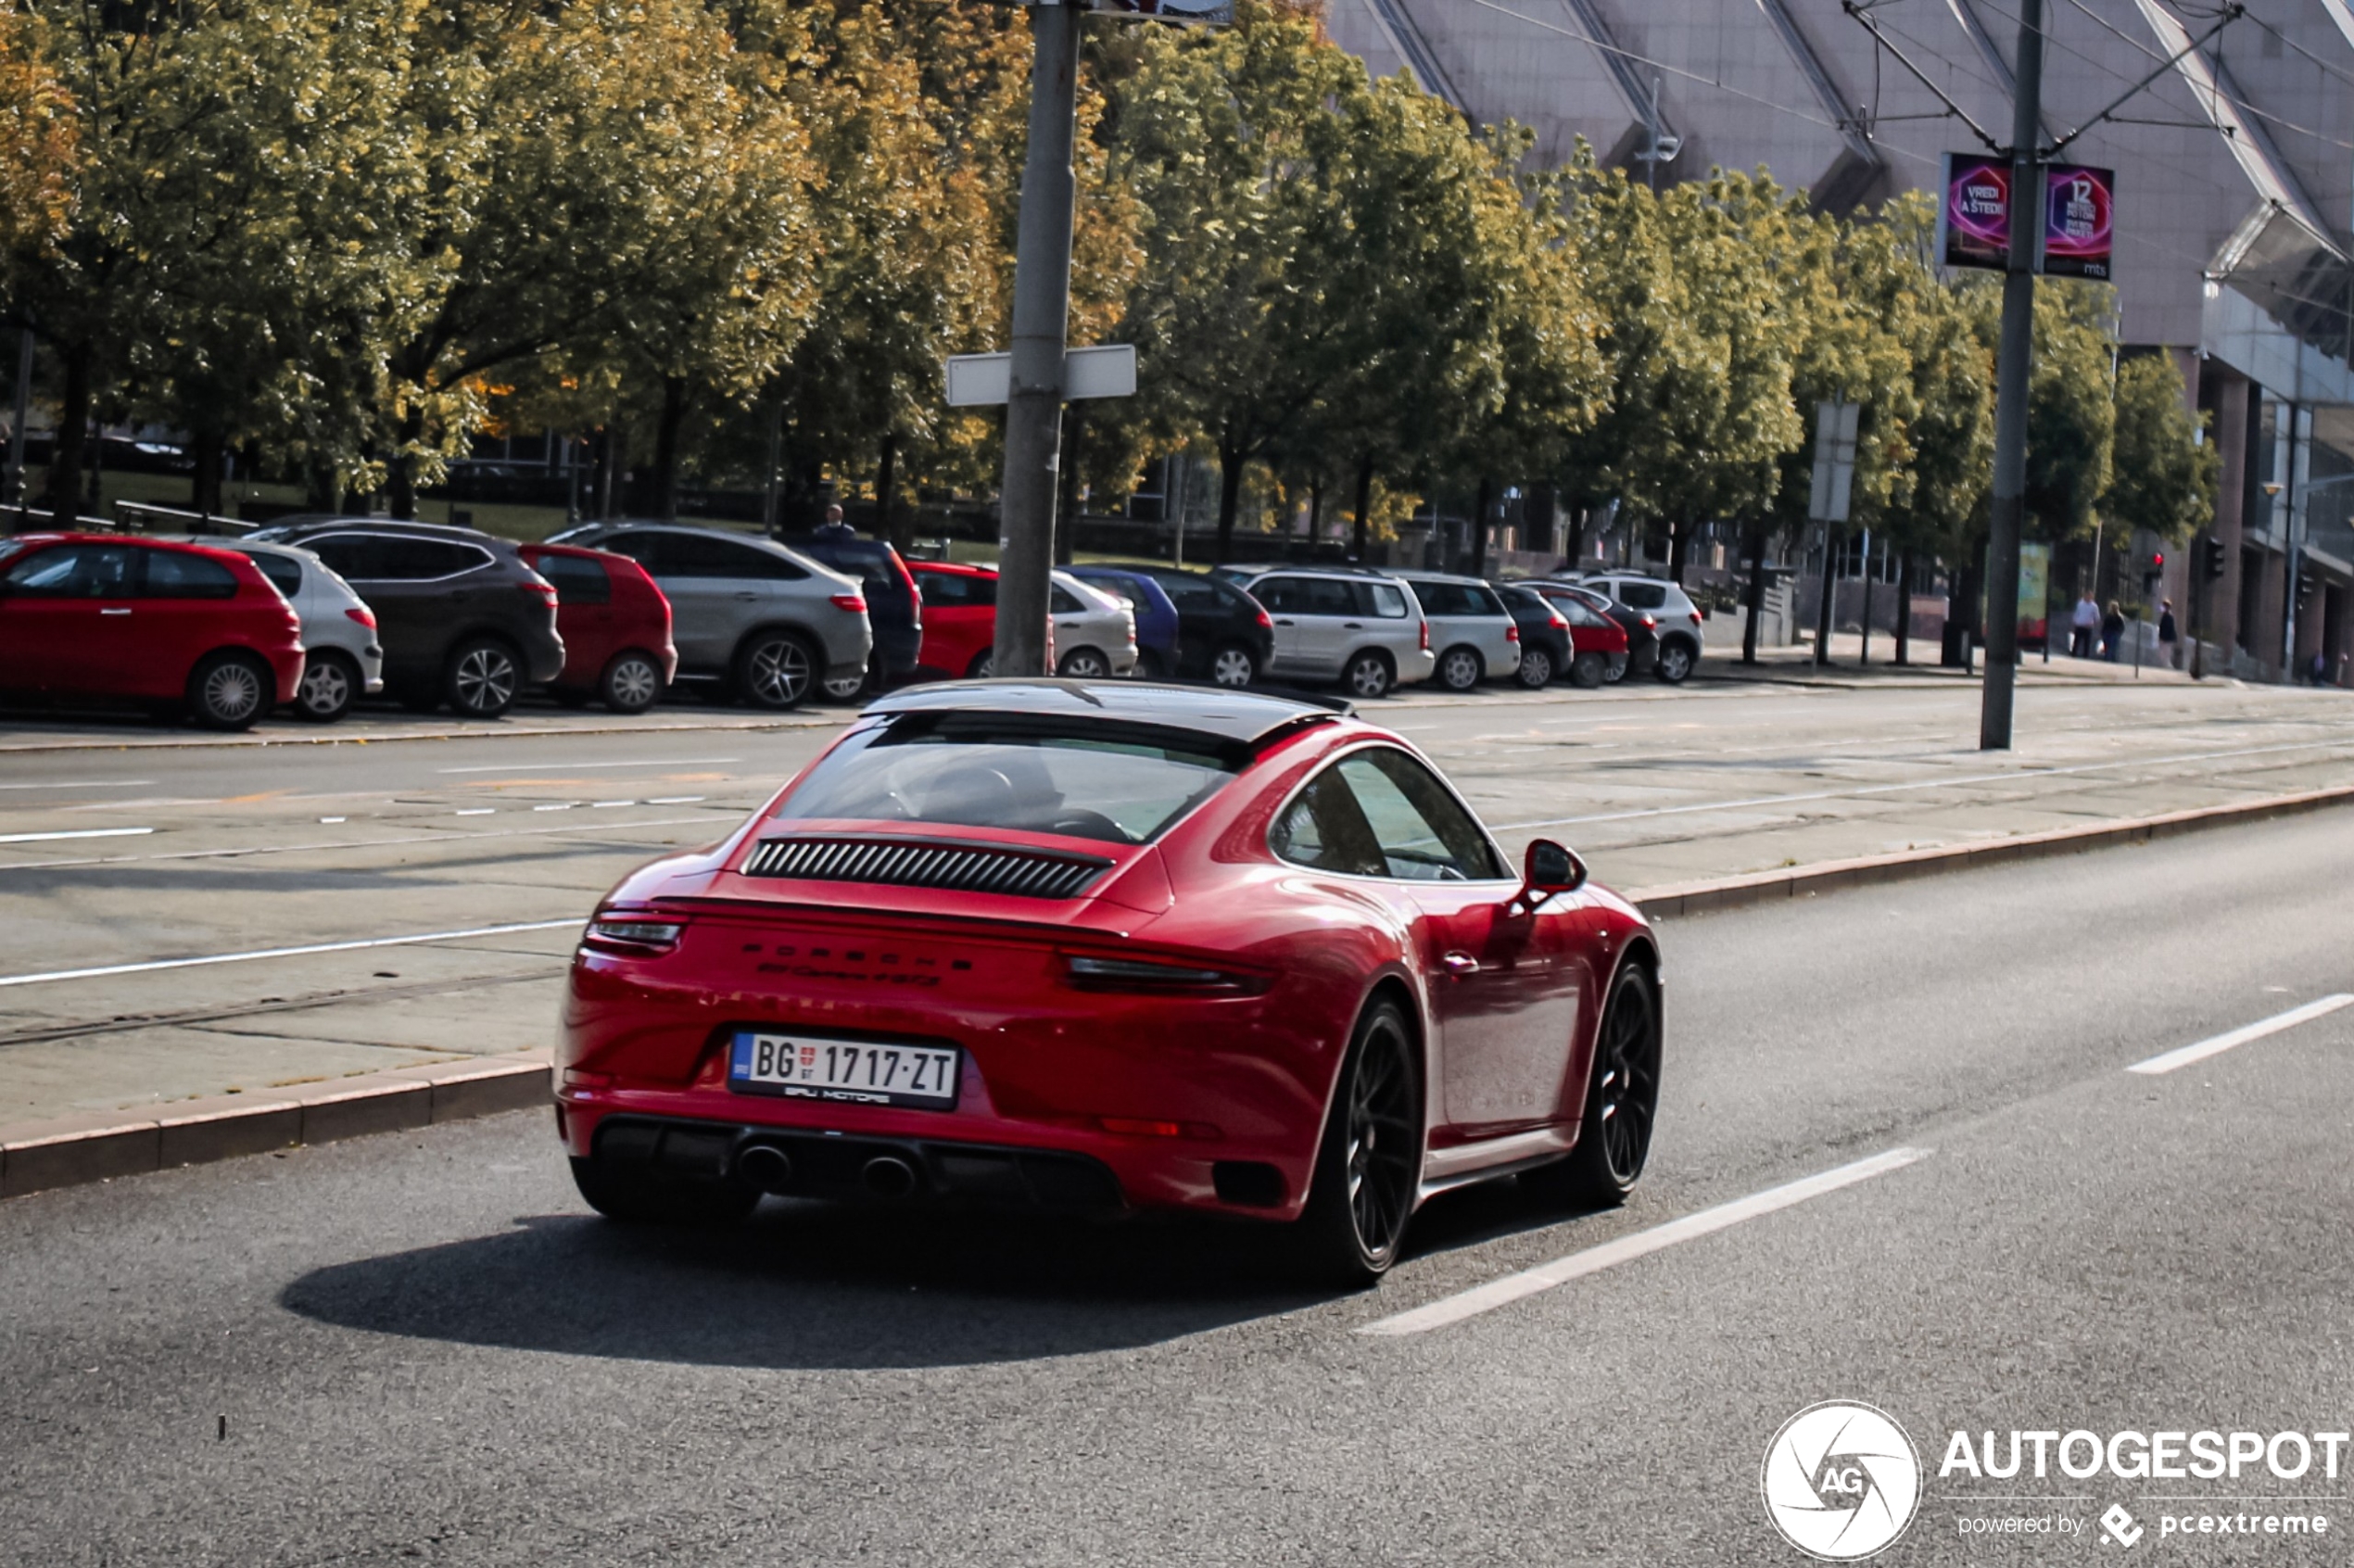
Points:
(859, 1072)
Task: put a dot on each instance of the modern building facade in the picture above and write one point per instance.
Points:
(2234, 198)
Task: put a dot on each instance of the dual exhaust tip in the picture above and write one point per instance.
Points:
(770, 1169)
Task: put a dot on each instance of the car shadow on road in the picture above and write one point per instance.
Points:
(807, 1287)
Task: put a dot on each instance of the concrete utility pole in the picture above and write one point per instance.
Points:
(1042, 319)
(2009, 497)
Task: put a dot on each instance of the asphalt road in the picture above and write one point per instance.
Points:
(423, 1348)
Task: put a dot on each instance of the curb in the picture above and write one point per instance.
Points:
(259, 742)
(1805, 881)
(102, 1145)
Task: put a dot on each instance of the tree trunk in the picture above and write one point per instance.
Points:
(1230, 496)
(1479, 528)
(1904, 607)
(1066, 483)
(902, 538)
(1757, 535)
(609, 450)
(1315, 510)
(1823, 609)
(400, 473)
(1543, 519)
(68, 454)
(1679, 550)
(1363, 527)
(210, 445)
(665, 476)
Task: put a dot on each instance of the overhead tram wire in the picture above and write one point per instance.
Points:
(2238, 101)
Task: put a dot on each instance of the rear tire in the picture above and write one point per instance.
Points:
(1367, 677)
(1622, 1102)
(776, 670)
(1588, 670)
(1234, 665)
(632, 684)
(984, 665)
(482, 678)
(229, 689)
(644, 1197)
(1459, 669)
(1676, 661)
(1084, 664)
(1535, 670)
(330, 685)
(1369, 1164)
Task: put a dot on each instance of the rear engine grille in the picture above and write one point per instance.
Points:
(917, 862)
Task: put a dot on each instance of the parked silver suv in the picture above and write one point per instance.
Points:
(1363, 630)
(749, 616)
(1475, 636)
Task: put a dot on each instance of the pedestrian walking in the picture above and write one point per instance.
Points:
(2166, 633)
(2084, 625)
(2112, 631)
(835, 528)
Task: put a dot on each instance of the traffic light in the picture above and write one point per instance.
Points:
(2158, 560)
(2211, 557)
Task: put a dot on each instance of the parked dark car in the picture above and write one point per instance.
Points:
(1544, 650)
(895, 606)
(464, 620)
(1223, 635)
(1159, 629)
(1640, 625)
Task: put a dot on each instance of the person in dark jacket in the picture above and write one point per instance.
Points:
(2167, 638)
(2112, 631)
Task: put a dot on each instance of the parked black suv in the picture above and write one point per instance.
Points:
(1223, 635)
(894, 607)
(462, 619)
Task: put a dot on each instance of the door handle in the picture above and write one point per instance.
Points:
(114, 612)
(1460, 964)
(1067, 625)
(747, 596)
(1352, 625)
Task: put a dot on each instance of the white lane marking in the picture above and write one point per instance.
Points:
(350, 843)
(575, 766)
(479, 811)
(1545, 1276)
(608, 805)
(673, 800)
(74, 833)
(565, 806)
(1915, 784)
(87, 784)
(152, 964)
(332, 819)
(2183, 1055)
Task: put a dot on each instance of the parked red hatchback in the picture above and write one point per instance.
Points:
(169, 625)
(615, 625)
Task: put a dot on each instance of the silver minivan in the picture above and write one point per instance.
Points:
(1476, 638)
(750, 617)
(1364, 631)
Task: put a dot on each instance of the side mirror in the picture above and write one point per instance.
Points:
(1551, 868)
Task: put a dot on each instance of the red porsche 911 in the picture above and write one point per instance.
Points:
(1105, 947)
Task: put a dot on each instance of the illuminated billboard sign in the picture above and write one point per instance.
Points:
(1974, 215)
(2079, 205)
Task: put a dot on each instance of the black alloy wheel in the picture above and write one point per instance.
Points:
(1536, 668)
(1369, 1166)
(1622, 1101)
(776, 670)
(1233, 665)
(330, 685)
(483, 679)
(631, 682)
(230, 690)
(1588, 670)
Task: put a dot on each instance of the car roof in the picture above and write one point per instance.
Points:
(1224, 714)
(404, 529)
(959, 567)
(1439, 578)
(1345, 573)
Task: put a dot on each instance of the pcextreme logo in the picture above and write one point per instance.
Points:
(1841, 1481)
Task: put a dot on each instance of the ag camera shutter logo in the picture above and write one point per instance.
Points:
(1842, 1481)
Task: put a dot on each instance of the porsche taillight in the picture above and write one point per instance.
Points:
(632, 936)
(1088, 971)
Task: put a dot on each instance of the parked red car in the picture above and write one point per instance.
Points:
(960, 619)
(172, 624)
(615, 625)
(1106, 946)
(1600, 643)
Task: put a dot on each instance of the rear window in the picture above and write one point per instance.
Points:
(1386, 599)
(578, 580)
(1117, 783)
(284, 570)
(958, 589)
(171, 574)
(1453, 598)
(1642, 596)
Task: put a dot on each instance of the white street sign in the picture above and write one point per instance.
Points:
(1108, 371)
(1835, 430)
